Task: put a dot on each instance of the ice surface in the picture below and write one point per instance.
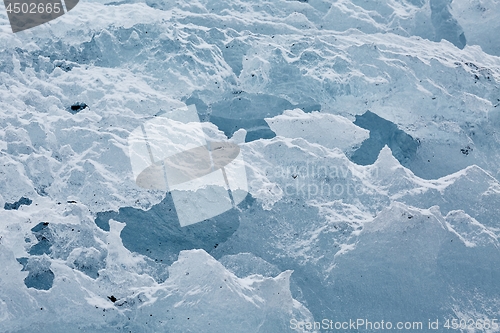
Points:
(369, 134)
(325, 129)
(469, 13)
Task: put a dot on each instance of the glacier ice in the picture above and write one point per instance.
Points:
(369, 132)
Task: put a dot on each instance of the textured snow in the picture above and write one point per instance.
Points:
(369, 130)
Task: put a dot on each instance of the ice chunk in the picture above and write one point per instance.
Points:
(328, 130)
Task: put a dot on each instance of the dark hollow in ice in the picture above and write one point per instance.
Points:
(17, 204)
(40, 276)
(156, 233)
(77, 107)
(383, 132)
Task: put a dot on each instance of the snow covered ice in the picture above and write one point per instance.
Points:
(369, 132)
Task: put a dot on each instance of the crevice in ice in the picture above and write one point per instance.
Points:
(382, 133)
(17, 204)
(157, 234)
